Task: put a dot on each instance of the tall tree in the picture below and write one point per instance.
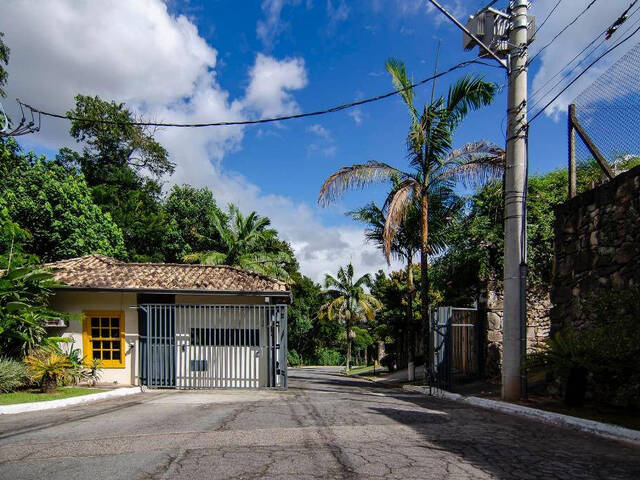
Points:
(434, 162)
(445, 205)
(122, 164)
(193, 211)
(54, 207)
(247, 242)
(4, 61)
(348, 303)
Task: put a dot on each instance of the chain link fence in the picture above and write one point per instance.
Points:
(609, 112)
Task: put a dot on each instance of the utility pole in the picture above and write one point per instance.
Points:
(488, 29)
(514, 319)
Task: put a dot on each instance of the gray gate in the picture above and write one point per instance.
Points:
(213, 346)
(456, 346)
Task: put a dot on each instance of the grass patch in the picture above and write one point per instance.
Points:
(34, 395)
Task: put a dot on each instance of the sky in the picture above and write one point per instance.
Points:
(214, 60)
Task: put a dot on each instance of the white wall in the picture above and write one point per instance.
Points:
(79, 301)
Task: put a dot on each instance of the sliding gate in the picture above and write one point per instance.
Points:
(213, 346)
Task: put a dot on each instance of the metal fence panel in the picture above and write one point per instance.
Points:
(213, 346)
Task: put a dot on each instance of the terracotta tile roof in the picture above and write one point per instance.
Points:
(100, 272)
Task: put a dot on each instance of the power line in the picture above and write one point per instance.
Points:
(579, 54)
(547, 17)
(602, 55)
(564, 29)
(337, 108)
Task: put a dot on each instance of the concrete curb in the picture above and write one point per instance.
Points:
(600, 429)
(66, 402)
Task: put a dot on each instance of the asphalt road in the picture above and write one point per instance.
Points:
(324, 426)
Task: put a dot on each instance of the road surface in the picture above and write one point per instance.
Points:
(325, 426)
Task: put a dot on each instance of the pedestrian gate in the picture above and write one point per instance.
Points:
(456, 346)
(213, 346)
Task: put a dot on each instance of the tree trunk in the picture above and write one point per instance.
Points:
(411, 340)
(366, 357)
(424, 283)
(49, 383)
(348, 345)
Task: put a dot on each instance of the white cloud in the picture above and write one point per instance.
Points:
(272, 25)
(337, 13)
(136, 52)
(319, 130)
(560, 53)
(356, 114)
(270, 82)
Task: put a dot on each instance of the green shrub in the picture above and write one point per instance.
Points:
(606, 351)
(293, 358)
(328, 356)
(13, 375)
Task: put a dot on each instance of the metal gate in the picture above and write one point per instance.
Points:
(213, 346)
(456, 346)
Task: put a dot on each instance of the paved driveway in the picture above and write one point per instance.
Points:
(324, 426)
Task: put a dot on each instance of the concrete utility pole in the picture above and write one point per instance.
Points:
(515, 247)
(488, 29)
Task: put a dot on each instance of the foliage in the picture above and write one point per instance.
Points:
(293, 359)
(24, 292)
(191, 213)
(476, 240)
(328, 357)
(56, 208)
(246, 242)
(305, 331)
(4, 61)
(80, 370)
(13, 375)
(47, 367)
(607, 350)
(348, 303)
(116, 160)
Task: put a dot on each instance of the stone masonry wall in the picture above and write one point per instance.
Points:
(538, 324)
(597, 244)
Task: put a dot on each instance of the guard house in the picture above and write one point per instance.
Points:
(175, 325)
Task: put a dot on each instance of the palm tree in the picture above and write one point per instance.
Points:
(435, 165)
(246, 242)
(445, 204)
(348, 302)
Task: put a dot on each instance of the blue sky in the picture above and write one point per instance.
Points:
(222, 59)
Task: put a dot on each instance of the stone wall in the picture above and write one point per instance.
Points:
(597, 244)
(538, 324)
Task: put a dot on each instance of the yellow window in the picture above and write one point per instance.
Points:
(103, 338)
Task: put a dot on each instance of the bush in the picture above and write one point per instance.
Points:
(47, 368)
(293, 358)
(13, 375)
(602, 358)
(328, 357)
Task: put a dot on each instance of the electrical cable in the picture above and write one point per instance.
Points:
(547, 17)
(337, 108)
(602, 55)
(578, 55)
(564, 29)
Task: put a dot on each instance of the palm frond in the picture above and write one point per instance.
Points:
(355, 176)
(468, 93)
(474, 164)
(206, 258)
(397, 211)
(402, 84)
